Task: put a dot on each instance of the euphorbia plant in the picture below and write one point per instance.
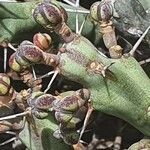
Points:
(118, 87)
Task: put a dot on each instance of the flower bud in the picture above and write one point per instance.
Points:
(40, 114)
(26, 42)
(4, 84)
(13, 63)
(27, 54)
(63, 117)
(44, 102)
(42, 40)
(69, 103)
(32, 98)
(101, 11)
(49, 15)
(84, 94)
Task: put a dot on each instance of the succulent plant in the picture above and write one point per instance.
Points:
(114, 84)
(49, 15)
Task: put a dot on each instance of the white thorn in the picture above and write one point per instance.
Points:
(83, 142)
(138, 42)
(8, 141)
(10, 46)
(77, 22)
(10, 132)
(82, 25)
(46, 75)
(78, 10)
(77, 16)
(34, 74)
(88, 114)
(103, 72)
(51, 81)
(70, 3)
(14, 116)
(5, 59)
(144, 61)
(102, 54)
(77, 3)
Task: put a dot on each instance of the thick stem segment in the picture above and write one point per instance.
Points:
(124, 92)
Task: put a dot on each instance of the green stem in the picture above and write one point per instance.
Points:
(126, 96)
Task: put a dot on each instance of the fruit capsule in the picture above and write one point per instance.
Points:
(41, 101)
(4, 84)
(28, 53)
(44, 102)
(69, 103)
(13, 63)
(49, 15)
(84, 94)
(70, 137)
(42, 40)
(101, 11)
(40, 114)
(74, 102)
(75, 119)
(63, 117)
(71, 119)
(32, 98)
(72, 109)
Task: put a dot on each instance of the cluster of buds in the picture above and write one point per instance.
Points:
(7, 103)
(69, 110)
(28, 54)
(37, 102)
